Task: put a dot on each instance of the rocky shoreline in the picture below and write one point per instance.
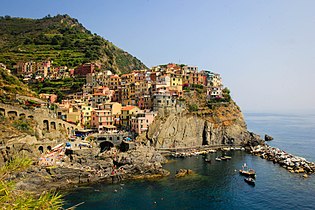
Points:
(89, 166)
(292, 163)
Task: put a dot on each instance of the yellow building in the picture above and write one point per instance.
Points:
(176, 84)
(126, 113)
(86, 112)
(176, 81)
(73, 115)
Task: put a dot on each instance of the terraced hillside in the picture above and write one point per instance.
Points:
(63, 40)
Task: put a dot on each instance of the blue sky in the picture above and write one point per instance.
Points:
(264, 50)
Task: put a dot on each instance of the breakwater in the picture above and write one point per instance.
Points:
(288, 161)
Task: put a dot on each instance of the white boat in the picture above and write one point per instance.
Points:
(218, 159)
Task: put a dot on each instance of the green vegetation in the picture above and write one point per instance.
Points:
(193, 108)
(63, 40)
(23, 125)
(11, 198)
(186, 88)
(59, 87)
(10, 85)
(225, 99)
(226, 94)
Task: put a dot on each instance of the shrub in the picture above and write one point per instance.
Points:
(17, 199)
(23, 125)
(193, 107)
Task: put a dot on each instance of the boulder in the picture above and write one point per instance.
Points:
(183, 172)
(268, 138)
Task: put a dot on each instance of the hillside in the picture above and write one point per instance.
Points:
(63, 40)
(10, 86)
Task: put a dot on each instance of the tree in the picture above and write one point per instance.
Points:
(66, 42)
(55, 40)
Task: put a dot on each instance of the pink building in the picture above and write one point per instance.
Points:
(141, 122)
(100, 118)
(105, 115)
(51, 98)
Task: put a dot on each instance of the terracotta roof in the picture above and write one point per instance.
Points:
(127, 108)
(99, 94)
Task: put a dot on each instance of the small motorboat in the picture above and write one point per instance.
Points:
(227, 157)
(250, 181)
(207, 160)
(218, 159)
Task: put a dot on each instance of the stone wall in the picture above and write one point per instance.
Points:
(47, 121)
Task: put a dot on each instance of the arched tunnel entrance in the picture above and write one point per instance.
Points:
(41, 149)
(106, 145)
(124, 147)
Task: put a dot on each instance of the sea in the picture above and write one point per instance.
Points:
(218, 185)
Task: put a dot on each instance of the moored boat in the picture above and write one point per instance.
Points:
(207, 160)
(250, 172)
(247, 172)
(250, 181)
(218, 159)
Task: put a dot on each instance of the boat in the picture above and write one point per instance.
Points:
(250, 172)
(223, 158)
(247, 172)
(218, 159)
(207, 160)
(250, 181)
(227, 157)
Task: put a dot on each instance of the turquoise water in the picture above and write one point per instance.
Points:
(218, 185)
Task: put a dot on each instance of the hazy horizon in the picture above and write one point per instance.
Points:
(264, 50)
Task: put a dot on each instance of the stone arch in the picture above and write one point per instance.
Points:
(53, 125)
(2, 112)
(59, 126)
(106, 145)
(49, 147)
(12, 115)
(45, 125)
(41, 149)
(31, 117)
(68, 130)
(22, 115)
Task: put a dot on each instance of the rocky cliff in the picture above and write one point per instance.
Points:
(222, 125)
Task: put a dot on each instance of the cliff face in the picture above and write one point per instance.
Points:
(224, 125)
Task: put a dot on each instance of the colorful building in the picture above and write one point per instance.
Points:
(140, 123)
(126, 113)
